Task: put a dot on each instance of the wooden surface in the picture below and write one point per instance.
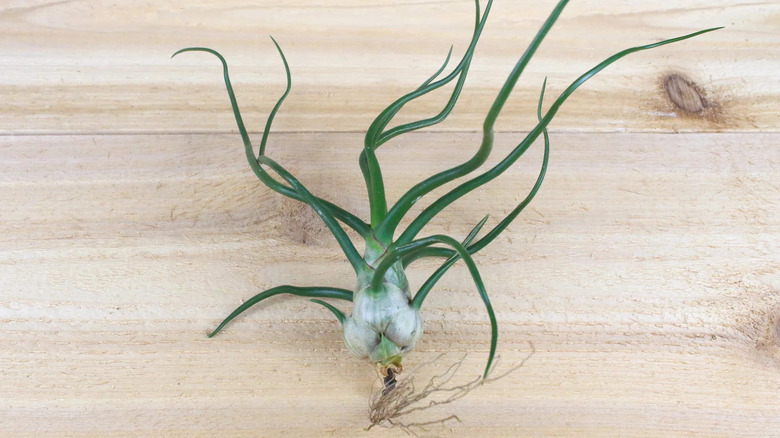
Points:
(643, 281)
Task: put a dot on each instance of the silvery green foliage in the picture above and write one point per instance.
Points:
(383, 325)
(385, 322)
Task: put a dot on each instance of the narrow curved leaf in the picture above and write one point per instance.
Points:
(348, 218)
(432, 210)
(354, 257)
(338, 313)
(452, 254)
(405, 203)
(316, 292)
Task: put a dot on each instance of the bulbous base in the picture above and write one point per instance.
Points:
(383, 325)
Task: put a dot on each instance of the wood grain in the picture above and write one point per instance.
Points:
(642, 284)
(95, 66)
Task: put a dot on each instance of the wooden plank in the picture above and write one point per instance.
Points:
(83, 66)
(644, 281)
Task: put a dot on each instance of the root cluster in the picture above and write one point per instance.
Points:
(392, 406)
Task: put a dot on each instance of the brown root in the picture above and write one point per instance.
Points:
(391, 406)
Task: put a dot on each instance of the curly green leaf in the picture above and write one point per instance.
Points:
(315, 291)
(436, 207)
(348, 218)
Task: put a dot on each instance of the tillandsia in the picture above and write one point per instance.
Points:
(386, 323)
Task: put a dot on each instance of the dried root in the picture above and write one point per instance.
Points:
(391, 404)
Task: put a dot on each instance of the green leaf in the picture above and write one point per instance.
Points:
(405, 203)
(419, 298)
(316, 291)
(279, 102)
(339, 314)
(453, 255)
(354, 257)
(348, 218)
(375, 136)
(386, 353)
(474, 231)
(436, 207)
(395, 254)
(443, 252)
(375, 130)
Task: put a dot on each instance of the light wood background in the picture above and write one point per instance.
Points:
(644, 279)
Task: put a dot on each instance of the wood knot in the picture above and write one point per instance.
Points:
(769, 341)
(300, 223)
(684, 93)
(775, 327)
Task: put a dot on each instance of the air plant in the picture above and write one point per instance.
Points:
(385, 323)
